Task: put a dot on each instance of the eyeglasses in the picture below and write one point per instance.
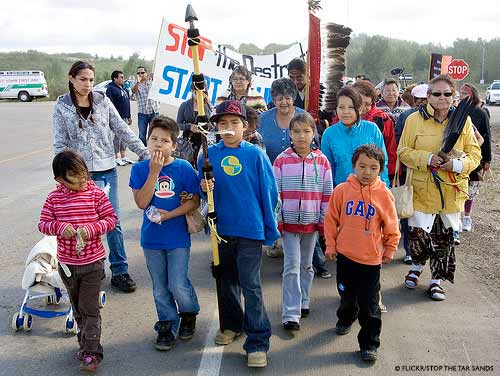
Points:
(438, 94)
(141, 72)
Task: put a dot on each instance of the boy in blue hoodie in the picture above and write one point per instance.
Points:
(246, 199)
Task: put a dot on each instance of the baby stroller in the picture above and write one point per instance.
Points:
(41, 280)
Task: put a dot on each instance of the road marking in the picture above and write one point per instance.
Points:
(212, 354)
(25, 155)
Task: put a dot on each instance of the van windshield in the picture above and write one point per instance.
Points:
(495, 86)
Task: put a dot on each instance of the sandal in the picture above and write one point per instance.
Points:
(411, 279)
(436, 292)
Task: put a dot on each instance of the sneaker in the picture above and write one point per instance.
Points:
(325, 274)
(127, 160)
(304, 312)
(257, 359)
(467, 223)
(165, 339)
(120, 162)
(187, 326)
(369, 355)
(291, 326)
(226, 337)
(407, 260)
(123, 282)
(456, 237)
(89, 363)
(342, 329)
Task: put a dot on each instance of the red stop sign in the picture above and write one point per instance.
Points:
(458, 69)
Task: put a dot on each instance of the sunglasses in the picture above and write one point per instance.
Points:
(141, 72)
(438, 94)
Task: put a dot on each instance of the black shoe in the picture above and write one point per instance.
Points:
(123, 282)
(325, 274)
(291, 326)
(369, 355)
(165, 340)
(187, 326)
(304, 312)
(342, 329)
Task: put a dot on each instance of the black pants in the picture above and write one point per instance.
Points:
(359, 287)
(83, 288)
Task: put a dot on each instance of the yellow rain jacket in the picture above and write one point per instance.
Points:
(423, 136)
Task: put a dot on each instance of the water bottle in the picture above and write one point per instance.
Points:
(153, 214)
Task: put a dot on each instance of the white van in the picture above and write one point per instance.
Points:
(23, 85)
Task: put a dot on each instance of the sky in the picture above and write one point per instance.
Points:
(120, 28)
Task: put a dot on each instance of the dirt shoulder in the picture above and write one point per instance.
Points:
(479, 252)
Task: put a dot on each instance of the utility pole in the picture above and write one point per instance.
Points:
(482, 65)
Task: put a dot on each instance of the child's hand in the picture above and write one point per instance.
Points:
(156, 162)
(84, 233)
(330, 256)
(69, 232)
(204, 187)
(386, 260)
(164, 215)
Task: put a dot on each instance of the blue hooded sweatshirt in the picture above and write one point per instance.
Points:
(245, 192)
(339, 143)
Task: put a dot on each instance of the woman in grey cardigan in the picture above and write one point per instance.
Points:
(86, 122)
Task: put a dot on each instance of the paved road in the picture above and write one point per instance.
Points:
(463, 331)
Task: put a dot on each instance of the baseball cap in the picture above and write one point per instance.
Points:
(230, 107)
(420, 91)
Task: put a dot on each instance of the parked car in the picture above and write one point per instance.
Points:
(23, 85)
(127, 85)
(493, 93)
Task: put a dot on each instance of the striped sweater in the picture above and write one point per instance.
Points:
(89, 208)
(305, 187)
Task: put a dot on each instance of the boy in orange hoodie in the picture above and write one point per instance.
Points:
(362, 231)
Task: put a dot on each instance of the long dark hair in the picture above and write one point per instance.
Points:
(73, 72)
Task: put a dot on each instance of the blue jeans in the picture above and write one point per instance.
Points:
(117, 254)
(142, 124)
(172, 288)
(298, 273)
(405, 230)
(319, 261)
(240, 260)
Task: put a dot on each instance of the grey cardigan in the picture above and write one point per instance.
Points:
(94, 141)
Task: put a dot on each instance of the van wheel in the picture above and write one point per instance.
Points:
(24, 96)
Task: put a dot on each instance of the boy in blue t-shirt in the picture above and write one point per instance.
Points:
(246, 199)
(166, 241)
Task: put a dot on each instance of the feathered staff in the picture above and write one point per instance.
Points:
(207, 169)
(333, 59)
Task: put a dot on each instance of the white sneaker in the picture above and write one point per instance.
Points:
(127, 160)
(120, 162)
(467, 223)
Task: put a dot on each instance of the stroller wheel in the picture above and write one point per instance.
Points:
(16, 322)
(27, 322)
(70, 326)
(49, 299)
(102, 299)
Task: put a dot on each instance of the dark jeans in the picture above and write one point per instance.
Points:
(117, 255)
(405, 231)
(319, 262)
(143, 122)
(359, 287)
(240, 261)
(83, 289)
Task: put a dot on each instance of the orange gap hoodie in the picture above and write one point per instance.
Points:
(361, 222)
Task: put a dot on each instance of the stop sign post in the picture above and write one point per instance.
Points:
(458, 69)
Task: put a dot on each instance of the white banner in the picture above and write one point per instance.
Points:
(174, 67)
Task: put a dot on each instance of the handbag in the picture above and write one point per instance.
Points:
(184, 149)
(194, 219)
(403, 194)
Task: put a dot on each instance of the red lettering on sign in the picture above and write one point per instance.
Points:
(177, 32)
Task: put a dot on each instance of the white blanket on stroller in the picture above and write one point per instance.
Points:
(41, 265)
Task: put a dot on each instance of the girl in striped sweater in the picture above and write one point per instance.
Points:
(304, 180)
(79, 213)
